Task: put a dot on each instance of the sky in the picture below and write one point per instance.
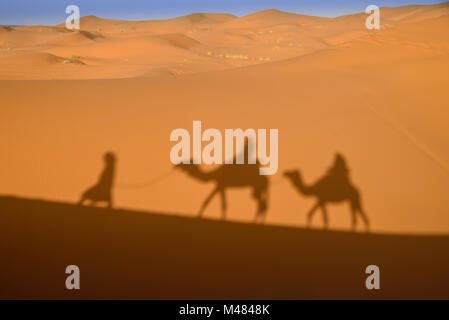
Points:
(52, 12)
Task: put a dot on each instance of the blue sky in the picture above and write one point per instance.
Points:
(51, 12)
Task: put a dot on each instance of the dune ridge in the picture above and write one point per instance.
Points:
(223, 41)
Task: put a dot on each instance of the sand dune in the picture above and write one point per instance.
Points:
(174, 25)
(403, 44)
(35, 58)
(124, 49)
(415, 13)
(75, 39)
(144, 47)
(269, 18)
(29, 37)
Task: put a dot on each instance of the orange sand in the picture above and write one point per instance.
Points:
(378, 97)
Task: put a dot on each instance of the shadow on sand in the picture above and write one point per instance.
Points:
(137, 255)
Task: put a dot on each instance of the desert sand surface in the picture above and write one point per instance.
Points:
(105, 49)
(143, 255)
(328, 85)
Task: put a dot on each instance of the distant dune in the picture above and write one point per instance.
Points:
(126, 49)
(137, 255)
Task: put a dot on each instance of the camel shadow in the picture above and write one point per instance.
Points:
(334, 187)
(229, 176)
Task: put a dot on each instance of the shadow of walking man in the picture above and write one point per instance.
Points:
(102, 191)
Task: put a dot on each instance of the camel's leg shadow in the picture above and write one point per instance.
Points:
(325, 217)
(357, 210)
(365, 219)
(206, 202)
(311, 213)
(223, 204)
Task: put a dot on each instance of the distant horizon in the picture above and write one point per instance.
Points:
(23, 12)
